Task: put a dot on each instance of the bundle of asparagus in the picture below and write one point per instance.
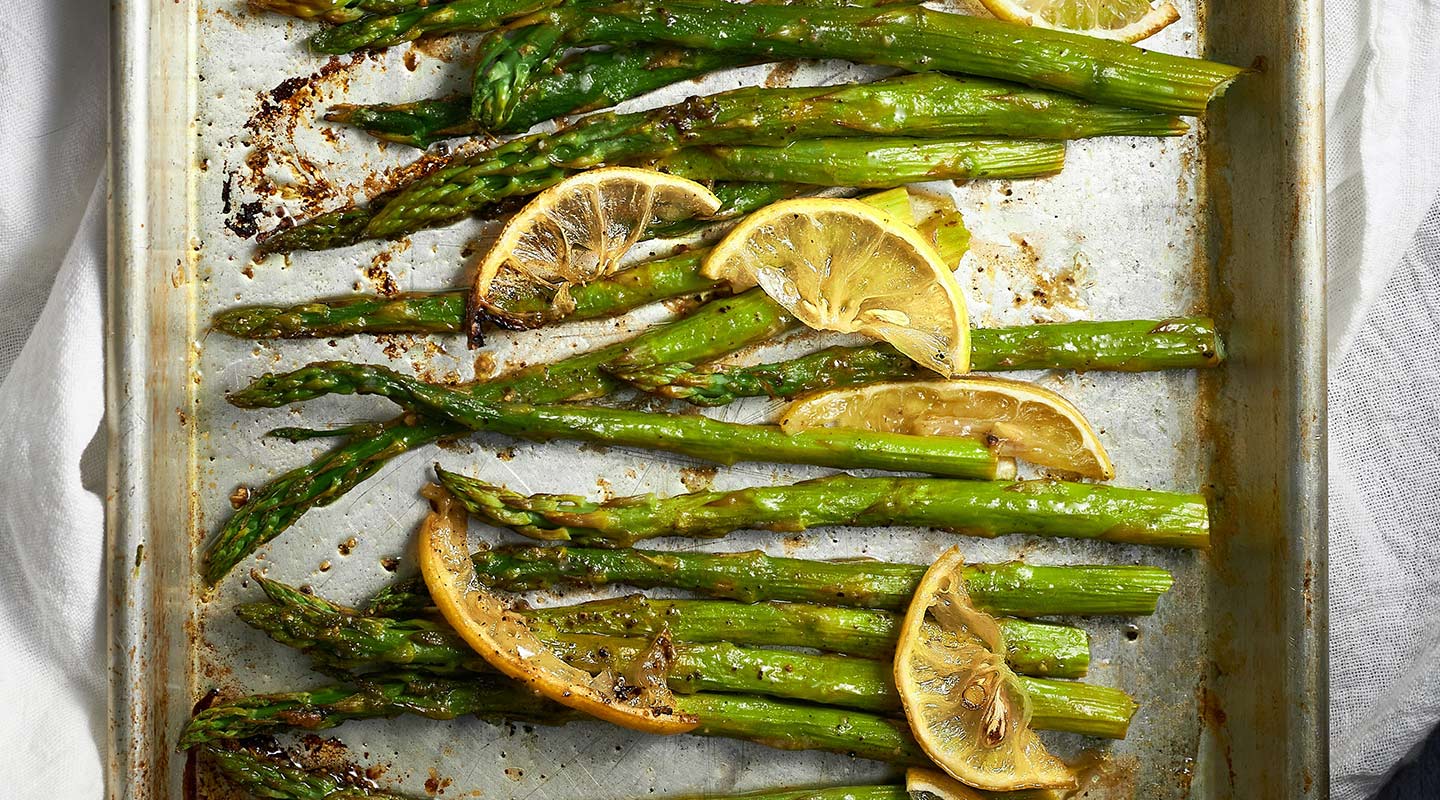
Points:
(710, 331)
(904, 36)
(721, 137)
(723, 670)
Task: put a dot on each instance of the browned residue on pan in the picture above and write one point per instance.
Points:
(781, 73)
(379, 275)
(1016, 267)
(270, 136)
(435, 784)
(697, 479)
(276, 170)
(448, 48)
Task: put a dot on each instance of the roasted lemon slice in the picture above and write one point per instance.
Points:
(964, 705)
(638, 699)
(578, 229)
(1125, 20)
(932, 784)
(841, 265)
(1017, 419)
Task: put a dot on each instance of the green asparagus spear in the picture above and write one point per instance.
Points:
(780, 724)
(372, 697)
(336, 11)
(410, 20)
(922, 106)
(418, 123)
(693, 436)
(269, 776)
(912, 38)
(1006, 588)
(1121, 346)
(974, 508)
(868, 163)
(339, 638)
(719, 327)
(443, 312)
(1012, 588)
(353, 642)
(865, 684)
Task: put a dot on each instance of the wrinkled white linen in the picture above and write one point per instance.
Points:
(54, 61)
(1383, 218)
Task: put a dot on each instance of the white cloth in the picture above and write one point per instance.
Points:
(1383, 172)
(53, 721)
(1383, 217)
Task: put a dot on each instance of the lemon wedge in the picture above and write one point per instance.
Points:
(577, 230)
(639, 701)
(842, 265)
(1017, 419)
(1124, 20)
(965, 707)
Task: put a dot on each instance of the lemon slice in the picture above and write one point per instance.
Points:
(1017, 419)
(964, 705)
(841, 265)
(578, 229)
(641, 702)
(1125, 20)
(930, 784)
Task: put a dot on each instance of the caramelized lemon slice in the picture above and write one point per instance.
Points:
(1125, 20)
(1017, 419)
(964, 705)
(578, 229)
(842, 265)
(640, 702)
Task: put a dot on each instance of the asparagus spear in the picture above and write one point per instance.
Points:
(868, 163)
(1013, 588)
(269, 776)
(354, 642)
(922, 106)
(753, 577)
(411, 19)
(974, 508)
(339, 638)
(336, 11)
(780, 724)
(1037, 648)
(912, 38)
(865, 684)
(693, 436)
(443, 312)
(1122, 346)
(717, 328)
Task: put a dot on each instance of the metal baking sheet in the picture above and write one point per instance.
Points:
(215, 135)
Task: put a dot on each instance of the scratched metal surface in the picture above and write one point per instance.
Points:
(217, 135)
